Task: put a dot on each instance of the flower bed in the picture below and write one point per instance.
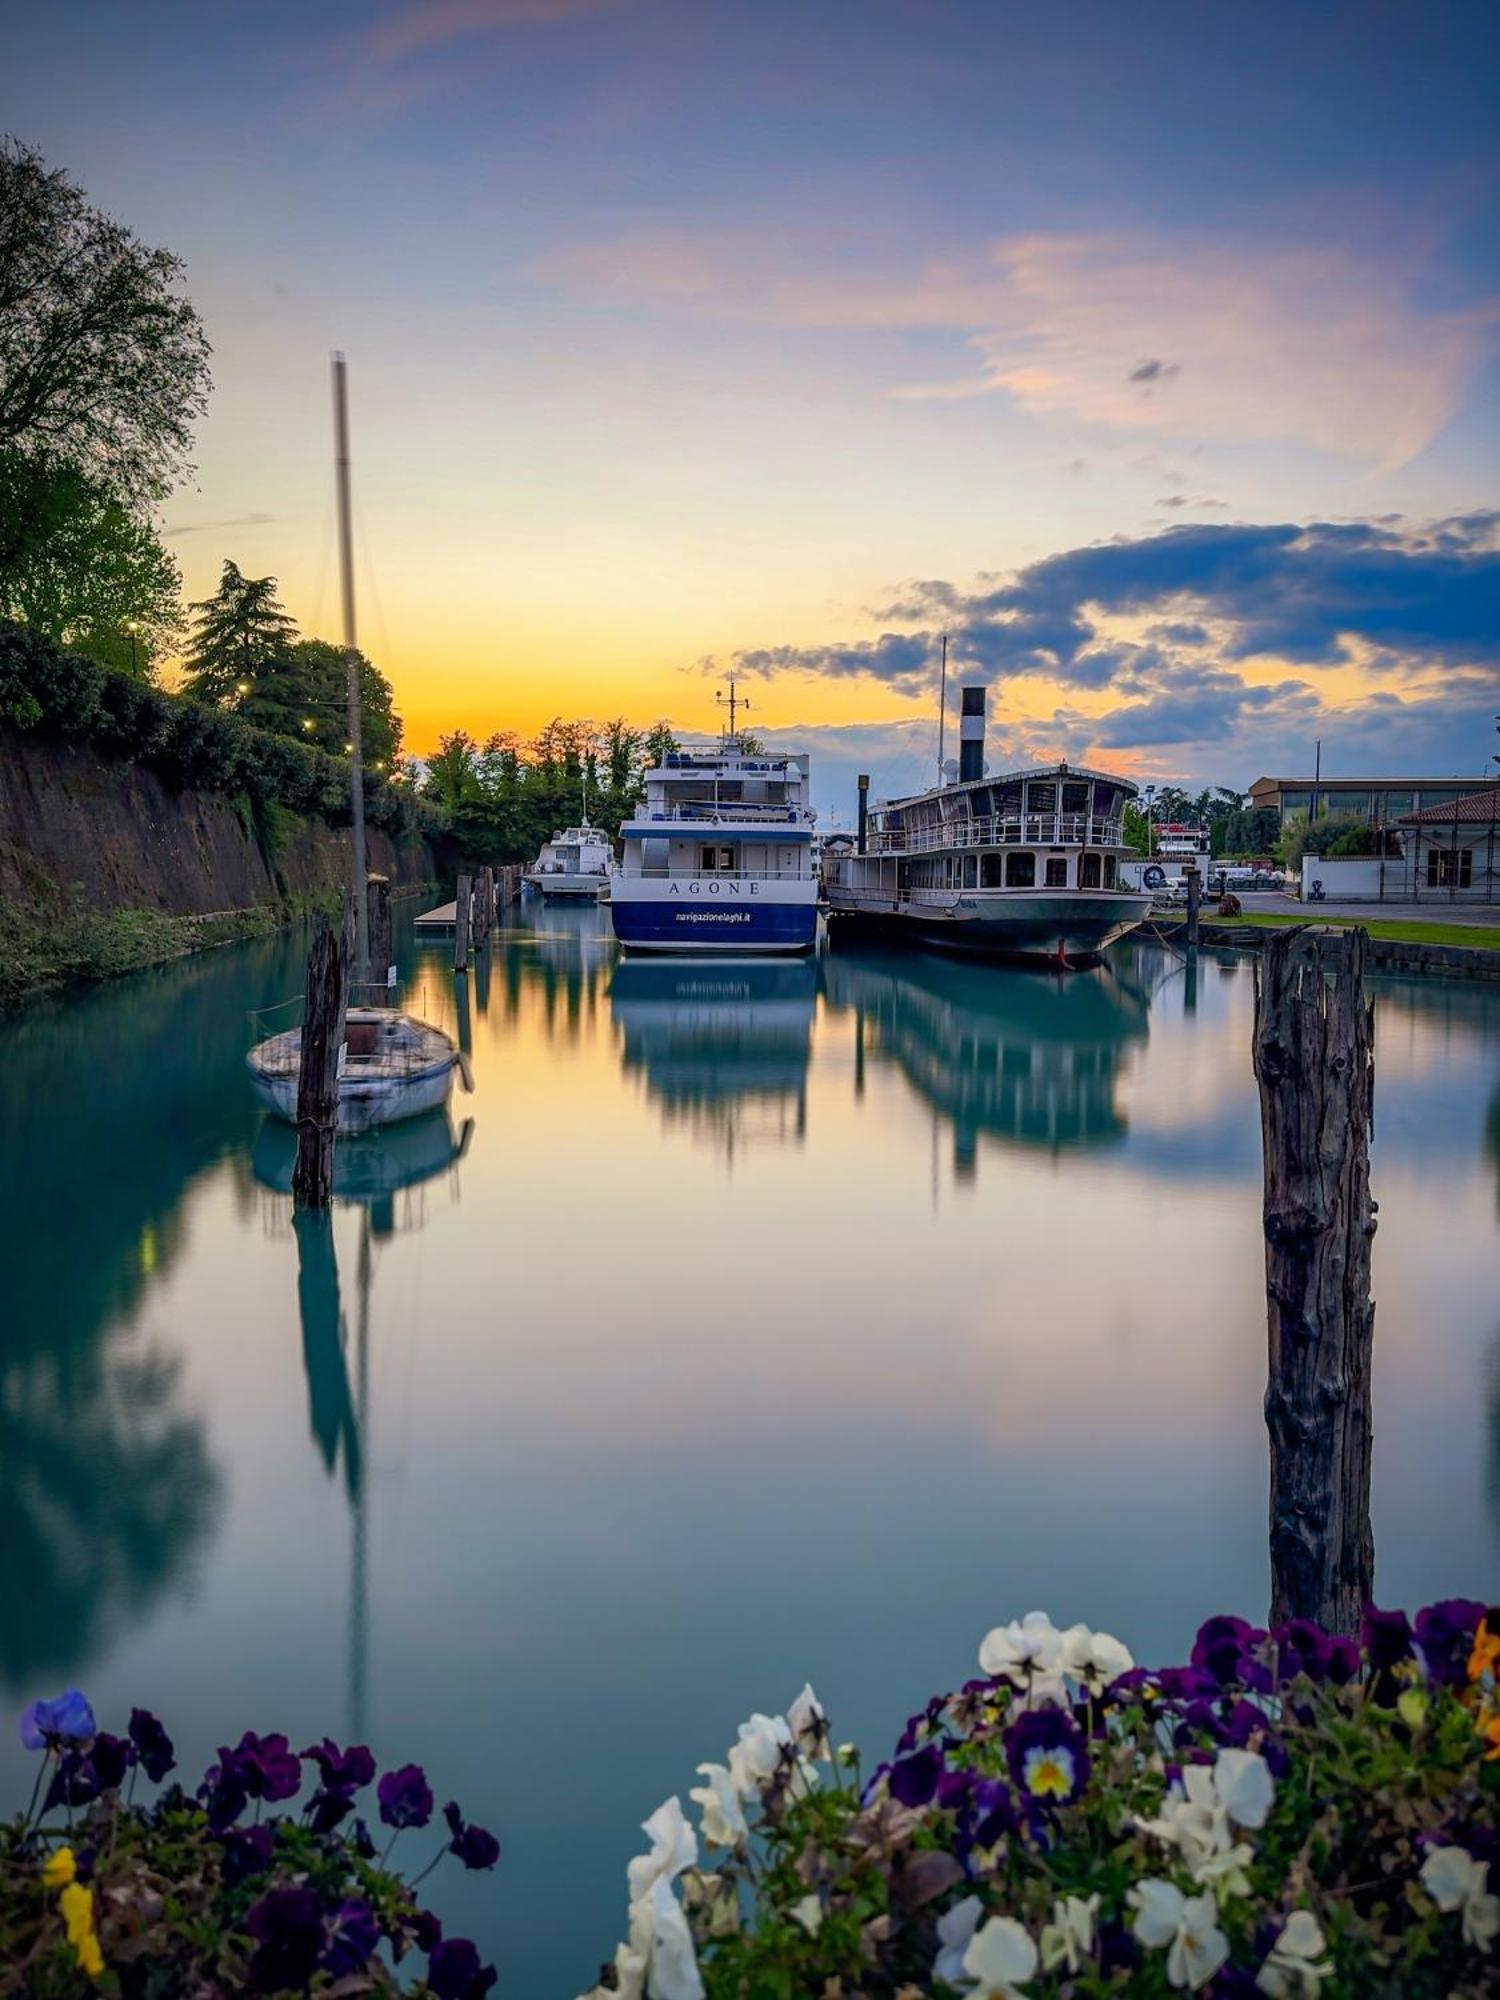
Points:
(1289, 1814)
(209, 1894)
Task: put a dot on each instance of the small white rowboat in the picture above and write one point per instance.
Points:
(392, 1067)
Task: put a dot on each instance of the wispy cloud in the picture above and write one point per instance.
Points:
(434, 24)
(209, 527)
(1318, 342)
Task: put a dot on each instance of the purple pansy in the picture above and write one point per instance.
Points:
(426, 1930)
(1445, 1637)
(66, 1719)
(1227, 1648)
(344, 1770)
(267, 1766)
(247, 1851)
(329, 1805)
(355, 1938)
(914, 1780)
(223, 1792)
(153, 1746)
(1047, 1755)
(1386, 1639)
(287, 1925)
(474, 1847)
(454, 1971)
(111, 1757)
(405, 1797)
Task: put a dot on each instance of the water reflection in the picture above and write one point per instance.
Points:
(371, 1169)
(1029, 1059)
(724, 1048)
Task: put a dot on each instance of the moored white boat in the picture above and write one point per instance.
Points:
(392, 1067)
(718, 859)
(573, 866)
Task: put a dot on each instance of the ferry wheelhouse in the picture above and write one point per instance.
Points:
(573, 865)
(1024, 864)
(719, 858)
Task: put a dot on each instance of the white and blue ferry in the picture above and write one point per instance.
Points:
(719, 858)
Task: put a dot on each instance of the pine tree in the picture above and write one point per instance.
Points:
(238, 634)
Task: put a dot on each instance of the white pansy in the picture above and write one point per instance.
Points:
(808, 1721)
(1242, 1779)
(674, 1846)
(809, 1913)
(714, 1899)
(1000, 1959)
(1455, 1880)
(673, 1973)
(756, 1757)
(955, 1930)
(723, 1820)
(1016, 1651)
(1069, 1938)
(1295, 1967)
(1094, 1658)
(1196, 1947)
(1199, 1813)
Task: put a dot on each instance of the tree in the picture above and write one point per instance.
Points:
(1137, 828)
(237, 634)
(102, 359)
(302, 690)
(81, 569)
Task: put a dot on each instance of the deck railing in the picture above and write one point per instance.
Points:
(629, 874)
(723, 811)
(1004, 830)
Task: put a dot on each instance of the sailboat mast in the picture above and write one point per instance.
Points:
(351, 674)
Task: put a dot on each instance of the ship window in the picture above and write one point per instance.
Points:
(1020, 871)
(992, 870)
(1057, 873)
(1075, 798)
(1088, 871)
(1111, 877)
(718, 860)
(1041, 798)
(971, 871)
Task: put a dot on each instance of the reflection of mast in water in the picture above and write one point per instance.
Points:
(369, 1171)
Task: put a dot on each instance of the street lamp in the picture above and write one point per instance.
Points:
(1150, 795)
(132, 626)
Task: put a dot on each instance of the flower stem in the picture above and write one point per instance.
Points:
(416, 1879)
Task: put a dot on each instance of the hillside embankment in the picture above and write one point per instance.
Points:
(105, 867)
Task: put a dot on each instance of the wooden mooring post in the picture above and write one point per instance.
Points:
(378, 903)
(461, 924)
(484, 909)
(1314, 1063)
(329, 964)
(1194, 893)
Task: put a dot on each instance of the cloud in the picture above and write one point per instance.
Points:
(1418, 604)
(207, 527)
(1321, 342)
(417, 29)
(1173, 500)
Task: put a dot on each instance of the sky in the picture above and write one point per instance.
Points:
(1149, 352)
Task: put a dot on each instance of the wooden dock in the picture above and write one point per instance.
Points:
(440, 922)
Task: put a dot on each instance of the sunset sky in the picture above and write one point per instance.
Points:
(1149, 350)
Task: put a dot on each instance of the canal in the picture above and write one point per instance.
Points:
(746, 1324)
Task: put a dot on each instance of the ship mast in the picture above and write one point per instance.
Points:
(351, 676)
(942, 708)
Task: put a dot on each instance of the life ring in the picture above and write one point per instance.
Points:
(1153, 877)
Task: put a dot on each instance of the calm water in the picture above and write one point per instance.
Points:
(744, 1325)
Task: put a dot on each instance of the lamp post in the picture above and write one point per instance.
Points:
(132, 626)
(1150, 796)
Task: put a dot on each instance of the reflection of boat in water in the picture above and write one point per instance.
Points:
(718, 1040)
(1030, 1058)
(392, 1067)
(366, 1167)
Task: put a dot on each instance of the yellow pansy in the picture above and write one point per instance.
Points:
(1489, 1729)
(90, 1957)
(1486, 1653)
(59, 1868)
(77, 1906)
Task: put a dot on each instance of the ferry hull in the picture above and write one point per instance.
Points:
(565, 888)
(699, 922)
(1073, 928)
